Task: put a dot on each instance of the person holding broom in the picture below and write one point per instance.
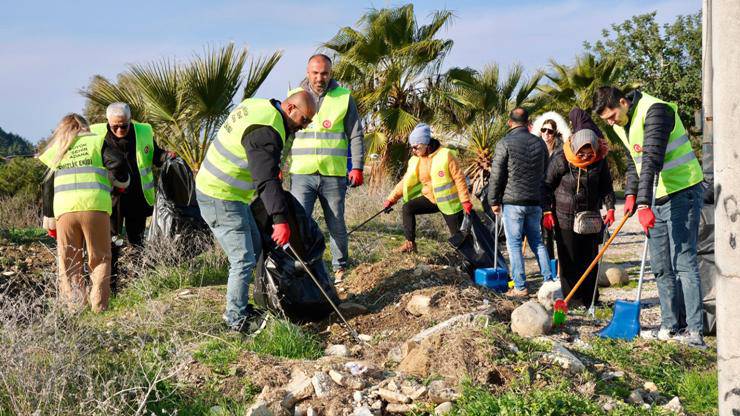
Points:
(577, 181)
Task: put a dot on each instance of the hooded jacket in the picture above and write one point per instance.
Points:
(560, 124)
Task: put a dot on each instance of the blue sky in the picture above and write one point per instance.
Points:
(51, 49)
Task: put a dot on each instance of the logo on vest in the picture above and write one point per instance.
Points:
(637, 148)
(326, 124)
(441, 174)
(146, 149)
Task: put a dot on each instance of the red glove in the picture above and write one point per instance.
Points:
(548, 221)
(280, 175)
(609, 218)
(467, 207)
(171, 155)
(355, 177)
(629, 205)
(647, 218)
(281, 233)
(52, 233)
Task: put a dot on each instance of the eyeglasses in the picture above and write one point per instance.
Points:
(546, 130)
(304, 119)
(586, 155)
(123, 127)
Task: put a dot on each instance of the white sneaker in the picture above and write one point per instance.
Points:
(665, 334)
(692, 339)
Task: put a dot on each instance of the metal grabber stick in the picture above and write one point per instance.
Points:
(323, 292)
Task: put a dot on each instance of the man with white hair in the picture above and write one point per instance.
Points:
(136, 141)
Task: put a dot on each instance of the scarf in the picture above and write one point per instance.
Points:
(571, 157)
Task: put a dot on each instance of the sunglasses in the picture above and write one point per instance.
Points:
(585, 155)
(417, 146)
(546, 130)
(123, 127)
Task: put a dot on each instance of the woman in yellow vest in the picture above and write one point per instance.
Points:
(433, 182)
(82, 173)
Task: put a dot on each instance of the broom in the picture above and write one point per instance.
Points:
(560, 309)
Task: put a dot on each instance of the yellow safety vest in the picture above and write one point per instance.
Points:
(322, 146)
(81, 180)
(144, 154)
(681, 169)
(225, 172)
(443, 184)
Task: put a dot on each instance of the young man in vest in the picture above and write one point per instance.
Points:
(136, 141)
(517, 182)
(433, 182)
(320, 152)
(243, 162)
(659, 145)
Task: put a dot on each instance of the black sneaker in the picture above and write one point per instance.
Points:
(253, 323)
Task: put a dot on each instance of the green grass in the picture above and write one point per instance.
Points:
(24, 235)
(551, 401)
(698, 391)
(220, 354)
(284, 339)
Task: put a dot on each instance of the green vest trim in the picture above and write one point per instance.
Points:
(322, 146)
(144, 154)
(224, 173)
(681, 168)
(81, 181)
(443, 185)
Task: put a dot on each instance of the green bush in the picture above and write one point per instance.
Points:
(284, 339)
(21, 174)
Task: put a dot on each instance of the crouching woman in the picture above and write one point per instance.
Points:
(433, 183)
(83, 172)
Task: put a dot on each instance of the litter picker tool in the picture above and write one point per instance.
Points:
(592, 308)
(560, 309)
(625, 323)
(384, 210)
(352, 331)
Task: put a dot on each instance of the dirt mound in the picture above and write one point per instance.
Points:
(27, 268)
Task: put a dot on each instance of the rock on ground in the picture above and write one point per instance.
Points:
(561, 356)
(548, 293)
(612, 275)
(443, 409)
(530, 320)
(419, 305)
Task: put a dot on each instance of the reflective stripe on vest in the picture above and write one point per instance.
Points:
(144, 138)
(322, 146)
(681, 168)
(443, 184)
(224, 173)
(80, 179)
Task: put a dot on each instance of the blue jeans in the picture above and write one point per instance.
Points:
(235, 230)
(521, 221)
(330, 190)
(673, 258)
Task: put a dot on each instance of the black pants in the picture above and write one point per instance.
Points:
(420, 206)
(575, 254)
(135, 226)
(548, 238)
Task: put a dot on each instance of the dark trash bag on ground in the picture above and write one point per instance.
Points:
(475, 242)
(176, 214)
(281, 285)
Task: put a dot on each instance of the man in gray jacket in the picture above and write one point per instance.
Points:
(320, 153)
(517, 181)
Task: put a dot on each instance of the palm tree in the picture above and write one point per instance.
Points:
(476, 105)
(387, 61)
(185, 103)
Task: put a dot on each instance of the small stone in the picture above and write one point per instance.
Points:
(393, 397)
(419, 305)
(418, 393)
(362, 411)
(416, 362)
(357, 396)
(561, 356)
(650, 387)
(438, 392)
(338, 350)
(443, 409)
(298, 389)
(612, 275)
(549, 292)
(336, 376)
(259, 408)
(394, 354)
(365, 337)
(311, 411)
(352, 308)
(377, 405)
(355, 350)
(322, 384)
(674, 405)
(398, 408)
(392, 386)
(530, 320)
(635, 397)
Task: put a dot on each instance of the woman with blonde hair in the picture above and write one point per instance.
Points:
(83, 172)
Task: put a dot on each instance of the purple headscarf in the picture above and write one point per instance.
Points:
(580, 120)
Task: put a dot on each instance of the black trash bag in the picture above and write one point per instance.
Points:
(281, 284)
(176, 213)
(475, 242)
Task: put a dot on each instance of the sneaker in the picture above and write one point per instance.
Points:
(517, 293)
(691, 339)
(662, 334)
(408, 247)
(339, 275)
(255, 321)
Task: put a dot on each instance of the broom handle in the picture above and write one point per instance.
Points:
(645, 247)
(495, 242)
(596, 259)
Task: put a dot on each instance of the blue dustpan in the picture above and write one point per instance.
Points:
(625, 323)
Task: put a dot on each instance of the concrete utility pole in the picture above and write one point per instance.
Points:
(724, 16)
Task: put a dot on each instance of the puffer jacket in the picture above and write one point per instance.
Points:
(518, 169)
(577, 190)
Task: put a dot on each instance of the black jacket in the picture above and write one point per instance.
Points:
(518, 169)
(264, 147)
(133, 202)
(659, 123)
(113, 160)
(575, 190)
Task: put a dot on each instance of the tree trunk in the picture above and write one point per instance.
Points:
(724, 16)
